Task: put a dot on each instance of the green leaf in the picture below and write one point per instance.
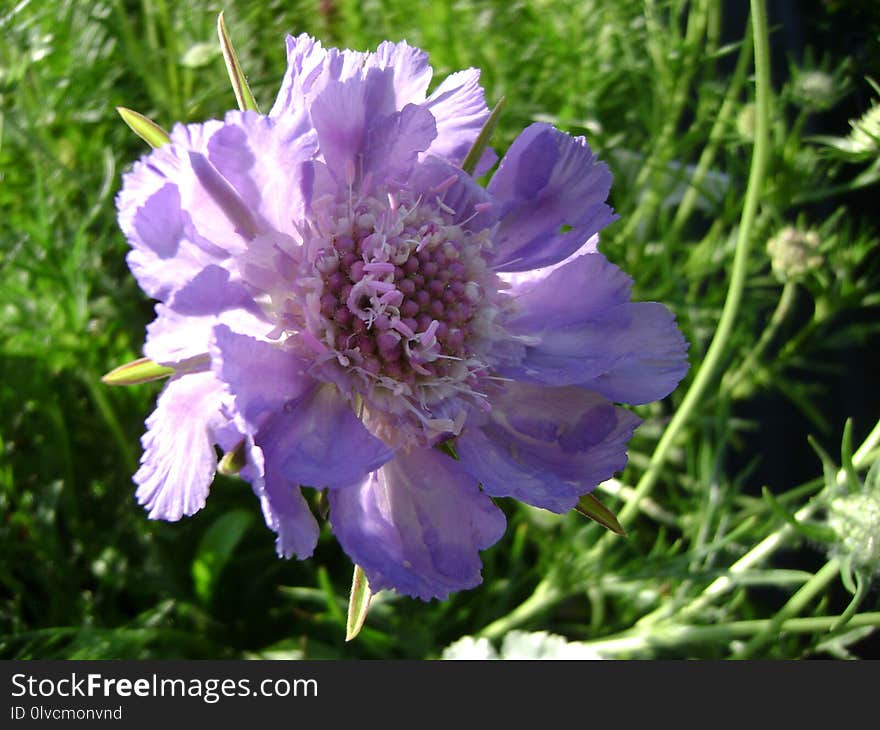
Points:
(861, 591)
(819, 533)
(146, 129)
(853, 482)
(215, 549)
(829, 468)
(358, 604)
(482, 141)
(142, 370)
(240, 86)
(590, 506)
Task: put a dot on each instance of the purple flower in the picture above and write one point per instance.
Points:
(337, 298)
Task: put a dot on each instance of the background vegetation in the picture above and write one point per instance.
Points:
(743, 540)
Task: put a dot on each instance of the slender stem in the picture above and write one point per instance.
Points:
(780, 314)
(545, 595)
(717, 348)
(795, 605)
(649, 203)
(97, 391)
(861, 456)
(676, 635)
(770, 543)
(716, 135)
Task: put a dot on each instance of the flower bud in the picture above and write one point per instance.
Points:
(793, 253)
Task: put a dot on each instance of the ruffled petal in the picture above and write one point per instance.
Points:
(174, 224)
(412, 72)
(553, 193)
(315, 437)
(311, 68)
(546, 446)
(263, 160)
(305, 57)
(284, 508)
(179, 462)
(459, 106)
(342, 114)
(578, 327)
(361, 133)
(183, 328)
(393, 143)
(417, 525)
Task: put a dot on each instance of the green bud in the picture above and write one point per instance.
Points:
(233, 461)
(794, 253)
(855, 518)
(146, 129)
(816, 90)
(142, 370)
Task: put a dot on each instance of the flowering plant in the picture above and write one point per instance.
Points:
(343, 307)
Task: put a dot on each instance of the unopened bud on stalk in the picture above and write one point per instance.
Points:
(794, 253)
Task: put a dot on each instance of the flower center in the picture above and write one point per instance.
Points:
(399, 295)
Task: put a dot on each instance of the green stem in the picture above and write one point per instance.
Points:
(717, 348)
(545, 595)
(716, 135)
(783, 308)
(97, 391)
(795, 605)
(674, 636)
(774, 540)
(860, 458)
(646, 208)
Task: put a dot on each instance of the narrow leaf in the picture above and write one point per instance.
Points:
(482, 141)
(146, 129)
(854, 484)
(243, 94)
(215, 549)
(590, 506)
(142, 370)
(810, 531)
(859, 594)
(358, 604)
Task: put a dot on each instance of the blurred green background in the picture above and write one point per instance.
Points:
(663, 90)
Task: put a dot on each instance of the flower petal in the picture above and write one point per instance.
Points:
(546, 446)
(263, 160)
(393, 143)
(179, 462)
(183, 327)
(417, 525)
(300, 424)
(579, 328)
(174, 225)
(412, 73)
(365, 118)
(284, 508)
(459, 106)
(311, 68)
(553, 193)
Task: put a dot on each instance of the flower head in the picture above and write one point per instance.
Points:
(794, 253)
(337, 298)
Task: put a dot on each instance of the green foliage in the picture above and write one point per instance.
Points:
(670, 106)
